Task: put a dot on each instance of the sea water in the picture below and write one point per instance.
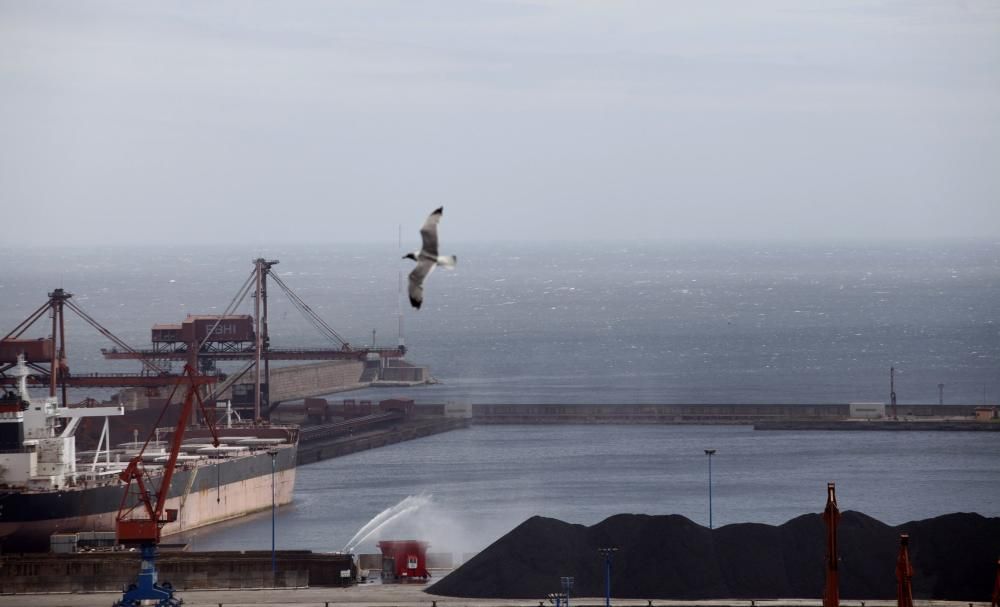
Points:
(636, 323)
(485, 480)
(625, 323)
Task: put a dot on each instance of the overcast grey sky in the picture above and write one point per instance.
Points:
(327, 121)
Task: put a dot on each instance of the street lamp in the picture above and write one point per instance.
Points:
(567, 584)
(607, 552)
(709, 453)
(274, 561)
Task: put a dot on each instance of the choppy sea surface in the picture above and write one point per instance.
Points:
(638, 322)
(630, 323)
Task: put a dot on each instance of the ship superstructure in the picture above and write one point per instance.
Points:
(45, 489)
(37, 442)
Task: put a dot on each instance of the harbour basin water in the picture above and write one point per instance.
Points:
(485, 480)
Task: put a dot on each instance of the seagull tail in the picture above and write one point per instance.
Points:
(447, 261)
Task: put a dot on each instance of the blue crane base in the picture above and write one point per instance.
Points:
(145, 587)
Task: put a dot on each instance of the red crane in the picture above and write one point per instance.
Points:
(996, 588)
(831, 594)
(141, 519)
(904, 574)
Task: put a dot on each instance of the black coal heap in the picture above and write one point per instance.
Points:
(670, 557)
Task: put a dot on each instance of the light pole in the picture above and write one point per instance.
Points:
(567, 584)
(607, 552)
(709, 453)
(274, 561)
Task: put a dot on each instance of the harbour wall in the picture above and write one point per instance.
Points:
(691, 413)
(335, 446)
(315, 379)
(103, 571)
(884, 425)
(296, 382)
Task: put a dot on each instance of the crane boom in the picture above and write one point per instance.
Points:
(145, 526)
(142, 522)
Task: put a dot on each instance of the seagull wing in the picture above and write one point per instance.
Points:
(417, 276)
(429, 233)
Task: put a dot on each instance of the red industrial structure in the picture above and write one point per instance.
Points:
(143, 513)
(200, 341)
(402, 405)
(47, 356)
(404, 559)
(831, 516)
(904, 574)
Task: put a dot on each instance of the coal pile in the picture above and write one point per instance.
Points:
(954, 557)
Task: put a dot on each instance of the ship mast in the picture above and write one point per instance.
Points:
(892, 391)
(399, 294)
(261, 343)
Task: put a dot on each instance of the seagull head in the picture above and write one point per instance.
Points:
(412, 256)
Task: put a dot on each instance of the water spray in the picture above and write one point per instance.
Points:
(407, 505)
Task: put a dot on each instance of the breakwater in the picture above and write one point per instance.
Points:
(880, 426)
(326, 447)
(693, 413)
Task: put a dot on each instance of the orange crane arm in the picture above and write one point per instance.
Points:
(146, 529)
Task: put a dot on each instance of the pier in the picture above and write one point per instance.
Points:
(805, 415)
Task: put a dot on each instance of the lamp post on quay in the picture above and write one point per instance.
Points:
(608, 553)
(274, 561)
(567, 584)
(709, 453)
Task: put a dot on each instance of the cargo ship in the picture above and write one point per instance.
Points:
(46, 489)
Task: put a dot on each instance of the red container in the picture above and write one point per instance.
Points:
(34, 350)
(166, 333)
(409, 558)
(235, 327)
(403, 405)
(317, 408)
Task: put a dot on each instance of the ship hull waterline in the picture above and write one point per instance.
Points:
(203, 495)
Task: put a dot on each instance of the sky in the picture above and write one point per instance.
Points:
(341, 121)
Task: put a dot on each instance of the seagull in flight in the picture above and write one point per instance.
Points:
(427, 258)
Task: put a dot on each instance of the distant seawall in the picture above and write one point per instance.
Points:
(692, 413)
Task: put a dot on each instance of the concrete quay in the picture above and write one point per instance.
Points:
(403, 595)
(29, 573)
(881, 426)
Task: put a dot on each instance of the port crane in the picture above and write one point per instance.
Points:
(46, 357)
(203, 351)
(143, 513)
